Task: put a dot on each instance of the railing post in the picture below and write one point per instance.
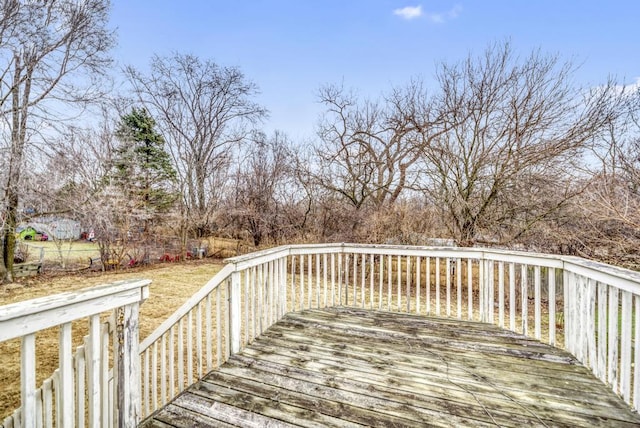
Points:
(283, 286)
(567, 288)
(66, 384)
(552, 306)
(482, 289)
(28, 380)
(234, 312)
(127, 366)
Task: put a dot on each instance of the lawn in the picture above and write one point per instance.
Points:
(72, 252)
(172, 285)
(77, 254)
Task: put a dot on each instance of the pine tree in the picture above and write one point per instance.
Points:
(142, 169)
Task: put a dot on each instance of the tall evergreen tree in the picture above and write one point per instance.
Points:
(142, 168)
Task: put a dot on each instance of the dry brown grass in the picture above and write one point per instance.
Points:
(172, 285)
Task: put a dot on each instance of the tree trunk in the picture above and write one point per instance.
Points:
(9, 244)
(18, 136)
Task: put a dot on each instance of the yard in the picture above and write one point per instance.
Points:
(77, 255)
(72, 252)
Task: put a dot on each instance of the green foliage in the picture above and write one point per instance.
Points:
(142, 167)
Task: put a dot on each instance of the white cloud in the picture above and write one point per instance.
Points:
(633, 87)
(624, 89)
(413, 12)
(409, 12)
(629, 90)
(442, 17)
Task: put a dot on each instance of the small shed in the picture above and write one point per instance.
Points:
(62, 228)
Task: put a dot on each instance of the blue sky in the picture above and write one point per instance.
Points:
(291, 48)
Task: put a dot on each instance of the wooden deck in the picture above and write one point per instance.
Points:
(348, 367)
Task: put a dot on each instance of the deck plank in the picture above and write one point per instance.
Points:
(399, 375)
(173, 415)
(433, 357)
(352, 367)
(458, 401)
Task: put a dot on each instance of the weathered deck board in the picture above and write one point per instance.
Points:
(348, 367)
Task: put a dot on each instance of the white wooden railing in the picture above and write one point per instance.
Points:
(84, 388)
(591, 309)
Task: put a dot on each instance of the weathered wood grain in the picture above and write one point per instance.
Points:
(179, 417)
(446, 397)
(437, 364)
(356, 367)
(449, 385)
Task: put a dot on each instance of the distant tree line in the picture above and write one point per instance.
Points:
(503, 149)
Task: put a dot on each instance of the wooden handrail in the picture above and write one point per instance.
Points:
(24, 319)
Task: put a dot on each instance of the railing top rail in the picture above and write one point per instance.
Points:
(388, 249)
(624, 278)
(22, 318)
(252, 259)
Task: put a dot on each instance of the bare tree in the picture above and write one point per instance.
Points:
(368, 149)
(369, 154)
(608, 212)
(264, 190)
(204, 111)
(50, 54)
(515, 132)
